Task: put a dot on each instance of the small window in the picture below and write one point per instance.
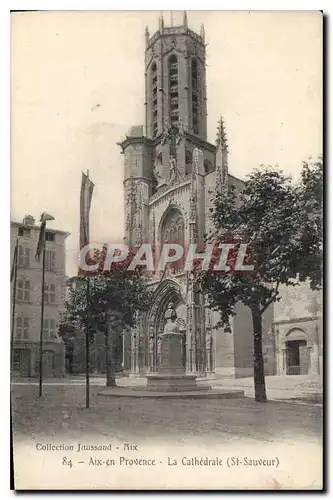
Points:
(49, 329)
(23, 290)
(23, 256)
(49, 236)
(188, 162)
(22, 328)
(188, 156)
(173, 89)
(49, 260)
(25, 328)
(49, 293)
(25, 232)
(18, 329)
(208, 166)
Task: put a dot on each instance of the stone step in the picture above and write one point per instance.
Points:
(118, 392)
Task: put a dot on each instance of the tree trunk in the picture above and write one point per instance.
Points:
(258, 361)
(109, 361)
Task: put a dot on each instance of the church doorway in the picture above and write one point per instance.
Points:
(297, 357)
(21, 362)
(167, 292)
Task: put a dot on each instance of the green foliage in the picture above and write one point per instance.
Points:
(310, 203)
(114, 296)
(282, 224)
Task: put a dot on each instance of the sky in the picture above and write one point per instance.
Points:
(77, 86)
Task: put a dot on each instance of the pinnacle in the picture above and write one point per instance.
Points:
(221, 134)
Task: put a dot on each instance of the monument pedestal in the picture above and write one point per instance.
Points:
(171, 357)
(171, 375)
(171, 380)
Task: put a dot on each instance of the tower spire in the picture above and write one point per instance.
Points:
(221, 139)
(185, 18)
(221, 157)
(161, 22)
(147, 35)
(202, 32)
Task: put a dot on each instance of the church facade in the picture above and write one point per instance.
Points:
(171, 172)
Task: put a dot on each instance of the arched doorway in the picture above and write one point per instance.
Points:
(297, 352)
(168, 291)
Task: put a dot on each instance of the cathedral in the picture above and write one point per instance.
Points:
(171, 173)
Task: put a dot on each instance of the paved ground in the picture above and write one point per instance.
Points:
(302, 388)
(62, 410)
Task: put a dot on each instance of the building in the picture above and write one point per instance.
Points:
(28, 300)
(170, 169)
(298, 331)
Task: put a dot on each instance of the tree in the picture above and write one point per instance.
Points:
(281, 223)
(115, 297)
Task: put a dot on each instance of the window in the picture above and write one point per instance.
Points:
(24, 231)
(49, 236)
(23, 290)
(195, 92)
(49, 260)
(172, 231)
(188, 157)
(23, 256)
(22, 328)
(208, 166)
(173, 90)
(188, 162)
(49, 329)
(49, 293)
(154, 89)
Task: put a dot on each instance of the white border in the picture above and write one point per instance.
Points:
(5, 7)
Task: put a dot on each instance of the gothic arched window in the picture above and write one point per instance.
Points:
(154, 97)
(173, 90)
(195, 96)
(188, 162)
(173, 231)
(208, 166)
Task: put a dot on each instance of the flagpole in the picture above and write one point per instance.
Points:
(42, 325)
(87, 345)
(87, 338)
(14, 306)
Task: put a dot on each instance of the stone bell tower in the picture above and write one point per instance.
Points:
(175, 92)
(175, 80)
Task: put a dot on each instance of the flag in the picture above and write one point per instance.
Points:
(40, 245)
(87, 187)
(14, 264)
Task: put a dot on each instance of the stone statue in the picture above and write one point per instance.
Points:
(208, 340)
(159, 349)
(158, 172)
(181, 131)
(171, 317)
(165, 132)
(209, 360)
(151, 353)
(151, 345)
(173, 169)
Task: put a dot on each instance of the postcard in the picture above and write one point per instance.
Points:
(166, 250)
